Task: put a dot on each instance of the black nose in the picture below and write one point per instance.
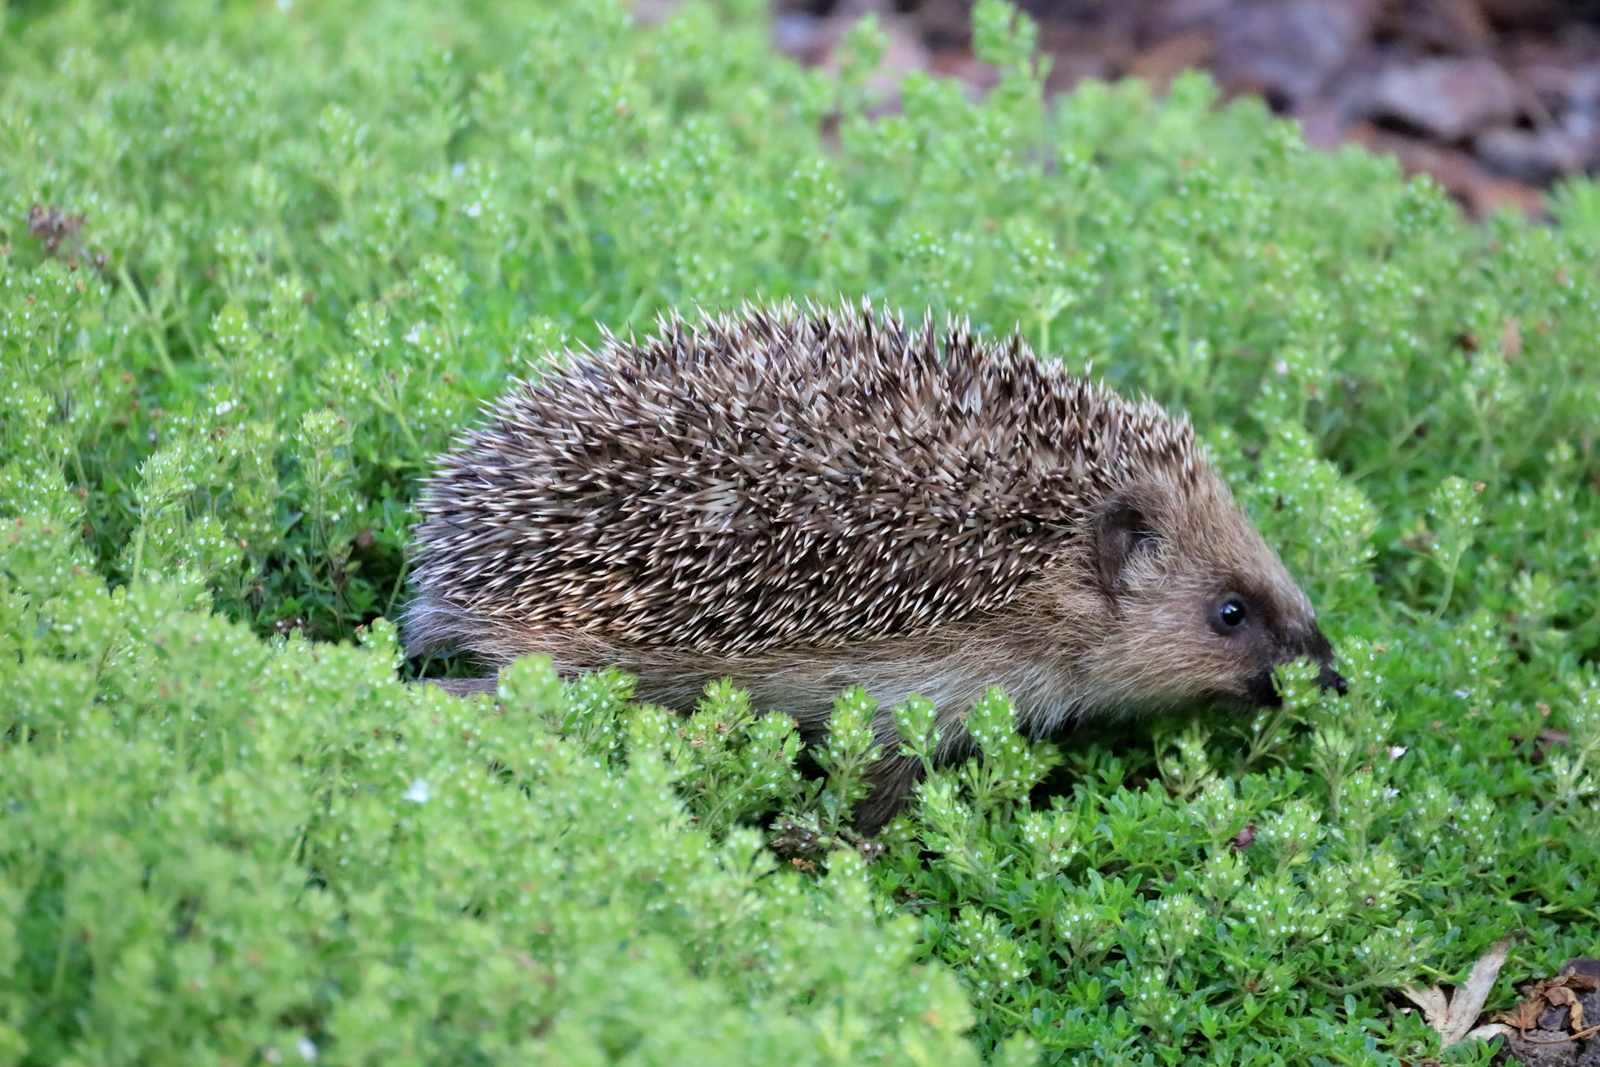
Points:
(1328, 678)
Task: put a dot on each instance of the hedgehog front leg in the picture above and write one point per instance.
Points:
(894, 777)
(891, 781)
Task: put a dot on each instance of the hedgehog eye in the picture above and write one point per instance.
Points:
(1232, 613)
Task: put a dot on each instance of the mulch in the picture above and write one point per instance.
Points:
(1497, 99)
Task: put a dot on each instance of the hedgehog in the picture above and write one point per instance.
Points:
(803, 501)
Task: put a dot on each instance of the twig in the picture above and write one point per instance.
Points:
(1581, 1035)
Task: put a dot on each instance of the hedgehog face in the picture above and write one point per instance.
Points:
(1199, 607)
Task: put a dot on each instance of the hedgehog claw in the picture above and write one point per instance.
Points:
(1328, 678)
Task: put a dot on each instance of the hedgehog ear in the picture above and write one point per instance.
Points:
(1121, 531)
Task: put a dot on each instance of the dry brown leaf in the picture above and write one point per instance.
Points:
(1559, 992)
(1525, 1016)
(1511, 338)
(1453, 1016)
(1562, 997)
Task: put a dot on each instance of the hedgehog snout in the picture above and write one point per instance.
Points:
(1263, 690)
(1320, 649)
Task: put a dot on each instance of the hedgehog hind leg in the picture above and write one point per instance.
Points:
(463, 687)
(431, 625)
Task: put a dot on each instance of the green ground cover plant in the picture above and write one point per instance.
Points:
(261, 262)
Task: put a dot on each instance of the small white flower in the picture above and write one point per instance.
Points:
(224, 407)
(307, 1049)
(474, 211)
(1390, 793)
(415, 335)
(458, 170)
(1396, 751)
(418, 793)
